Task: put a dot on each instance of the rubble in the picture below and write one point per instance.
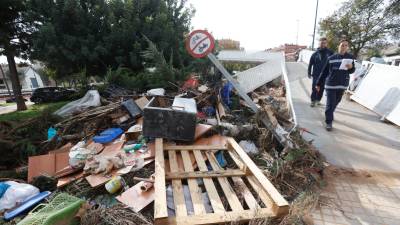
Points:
(205, 119)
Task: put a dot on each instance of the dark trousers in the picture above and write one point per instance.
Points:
(316, 95)
(333, 97)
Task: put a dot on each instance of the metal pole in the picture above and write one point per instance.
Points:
(235, 84)
(315, 25)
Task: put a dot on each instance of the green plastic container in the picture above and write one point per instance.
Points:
(62, 208)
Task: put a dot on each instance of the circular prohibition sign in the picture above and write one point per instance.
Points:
(199, 43)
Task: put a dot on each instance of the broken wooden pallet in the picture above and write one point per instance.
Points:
(239, 194)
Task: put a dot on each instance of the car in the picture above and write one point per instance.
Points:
(51, 94)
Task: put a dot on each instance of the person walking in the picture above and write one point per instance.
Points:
(335, 77)
(317, 62)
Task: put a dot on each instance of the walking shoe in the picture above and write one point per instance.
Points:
(312, 104)
(329, 127)
(318, 103)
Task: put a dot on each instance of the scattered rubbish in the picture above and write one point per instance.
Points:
(45, 183)
(147, 185)
(103, 164)
(115, 184)
(226, 94)
(26, 205)
(249, 147)
(203, 88)
(133, 132)
(142, 102)
(135, 198)
(46, 164)
(175, 119)
(221, 159)
(132, 108)
(108, 135)
(62, 209)
(15, 194)
(3, 188)
(51, 132)
(91, 99)
(156, 92)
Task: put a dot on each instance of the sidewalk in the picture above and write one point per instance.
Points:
(359, 139)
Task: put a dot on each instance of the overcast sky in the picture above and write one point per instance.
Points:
(261, 24)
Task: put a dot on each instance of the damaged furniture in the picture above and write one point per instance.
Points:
(249, 193)
(172, 119)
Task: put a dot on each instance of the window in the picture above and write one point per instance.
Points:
(2, 84)
(397, 62)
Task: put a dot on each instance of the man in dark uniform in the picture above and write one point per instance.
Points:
(335, 77)
(317, 62)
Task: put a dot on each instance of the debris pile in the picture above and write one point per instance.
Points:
(199, 142)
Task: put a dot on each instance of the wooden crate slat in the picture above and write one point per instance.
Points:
(182, 167)
(225, 185)
(277, 198)
(262, 194)
(160, 202)
(177, 189)
(219, 218)
(194, 147)
(195, 191)
(247, 195)
(209, 184)
(202, 174)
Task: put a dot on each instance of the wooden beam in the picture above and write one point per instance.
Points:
(245, 192)
(160, 197)
(177, 189)
(219, 218)
(204, 174)
(230, 194)
(213, 196)
(194, 147)
(195, 190)
(277, 198)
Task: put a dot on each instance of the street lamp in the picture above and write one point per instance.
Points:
(315, 25)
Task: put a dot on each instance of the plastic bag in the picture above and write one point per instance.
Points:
(156, 91)
(16, 193)
(91, 99)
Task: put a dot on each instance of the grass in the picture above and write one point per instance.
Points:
(32, 111)
(7, 104)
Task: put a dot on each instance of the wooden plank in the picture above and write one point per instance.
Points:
(194, 147)
(202, 174)
(262, 194)
(177, 189)
(226, 187)
(160, 203)
(195, 191)
(219, 218)
(215, 200)
(245, 192)
(277, 198)
(135, 198)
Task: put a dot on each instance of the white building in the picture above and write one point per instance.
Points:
(28, 77)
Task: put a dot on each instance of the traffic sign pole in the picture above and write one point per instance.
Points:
(234, 82)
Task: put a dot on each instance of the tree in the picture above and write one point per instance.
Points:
(100, 34)
(363, 22)
(15, 32)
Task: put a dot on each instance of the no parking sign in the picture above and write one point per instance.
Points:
(199, 43)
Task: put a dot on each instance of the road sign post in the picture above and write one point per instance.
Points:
(199, 44)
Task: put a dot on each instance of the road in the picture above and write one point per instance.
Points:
(359, 139)
(12, 108)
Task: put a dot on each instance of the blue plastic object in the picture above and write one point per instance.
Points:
(221, 159)
(3, 188)
(226, 94)
(108, 135)
(209, 111)
(51, 132)
(26, 205)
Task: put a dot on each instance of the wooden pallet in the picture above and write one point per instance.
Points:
(238, 194)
